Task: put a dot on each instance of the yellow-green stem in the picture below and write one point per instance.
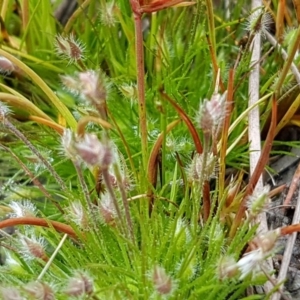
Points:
(75, 15)
(63, 110)
(288, 62)
(211, 29)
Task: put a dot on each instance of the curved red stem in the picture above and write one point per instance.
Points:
(58, 226)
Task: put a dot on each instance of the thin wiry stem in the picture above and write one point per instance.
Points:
(75, 15)
(83, 185)
(22, 137)
(50, 261)
(125, 201)
(35, 181)
(285, 56)
(113, 197)
(288, 62)
(212, 36)
(25, 21)
(139, 48)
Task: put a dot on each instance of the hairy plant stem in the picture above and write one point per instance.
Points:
(115, 201)
(35, 181)
(224, 135)
(137, 14)
(22, 137)
(200, 186)
(206, 204)
(124, 200)
(83, 185)
(139, 48)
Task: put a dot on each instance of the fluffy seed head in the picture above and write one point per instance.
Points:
(233, 189)
(266, 241)
(71, 84)
(24, 208)
(226, 267)
(10, 293)
(258, 201)
(107, 17)
(79, 285)
(68, 144)
(125, 179)
(6, 66)
(249, 263)
(263, 245)
(107, 210)
(198, 172)
(4, 110)
(78, 215)
(118, 172)
(33, 247)
(40, 291)
(182, 233)
(93, 152)
(93, 87)
(90, 85)
(212, 113)
(162, 281)
(129, 91)
(69, 48)
(259, 21)
(11, 263)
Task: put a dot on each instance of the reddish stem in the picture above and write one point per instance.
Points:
(60, 227)
(157, 5)
(293, 187)
(264, 157)
(153, 158)
(290, 229)
(139, 49)
(214, 61)
(187, 121)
